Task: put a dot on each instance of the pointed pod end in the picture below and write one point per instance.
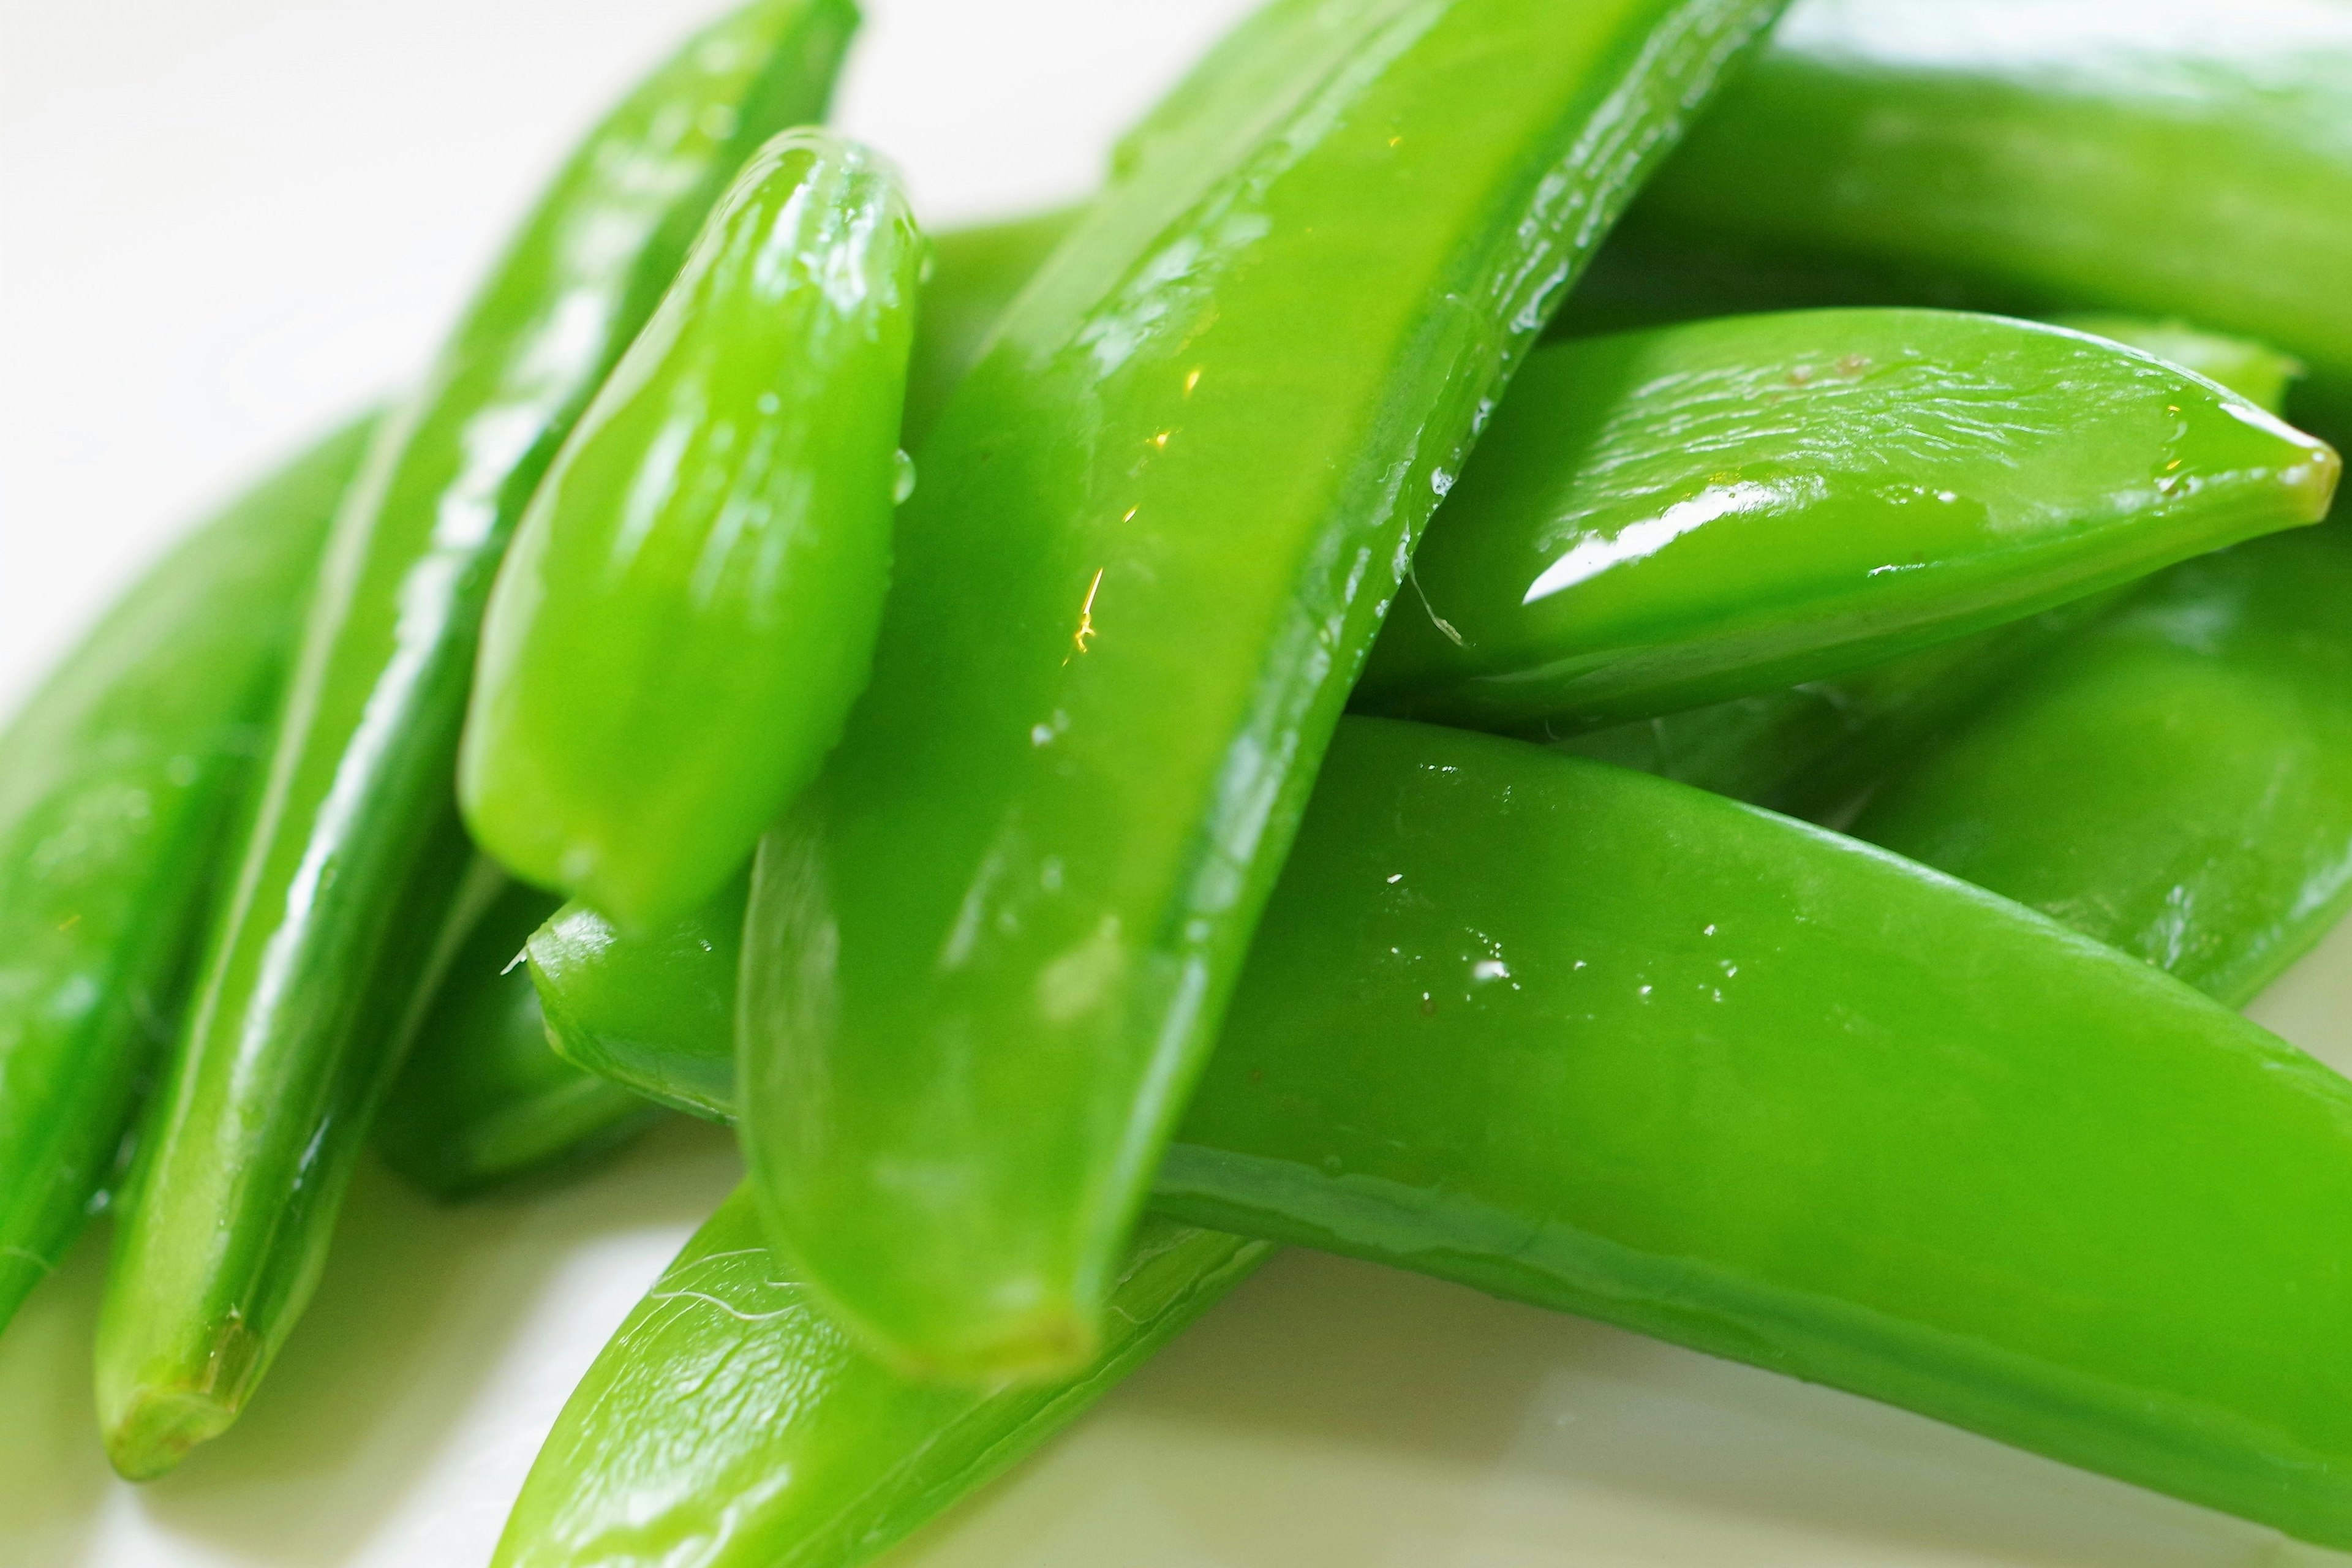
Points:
(153, 1428)
(1050, 1344)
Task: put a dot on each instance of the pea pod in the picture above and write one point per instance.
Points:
(351, 864)
(2172, 160)
(1157, 527)
(481, 1097)
(690, 603)
(975, 273)
(799, 1448)
(117, 780)
(2176, 782)
(1670, 517)
(1600, 1042)
(1818, 748)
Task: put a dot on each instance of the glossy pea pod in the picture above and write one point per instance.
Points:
(482, 1098)
(1664, 518)
(1818, 748)
(2172, 159)
(1582, 1037)
(796, 1448)
(119, 780)
(690, 603)
(348, 875)
(1157, 527)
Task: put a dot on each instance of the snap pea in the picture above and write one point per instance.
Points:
(802, 1449)
(117, 781)
(1670, 517)
(975, 273)
(2169, 160)
(2176, 782)
(352, 862)
(1597, 1041)
(1157, 527)
(481, 1097)
(1820, 748)
(689, 605)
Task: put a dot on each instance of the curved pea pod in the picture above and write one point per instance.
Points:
(620, 1004)
(2177, 781)
(975, 273)
(1672, 517)
(1582, 1037)
(118, 782)
(1818, 748)
(1634, 1051)
(482, 1098)
(353, 862)
(689, 605)
(793, 1448)
(1158, 524)
(2180, 159)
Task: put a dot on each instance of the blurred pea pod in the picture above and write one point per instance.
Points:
(1664, 518)
(346, 879)
(1820, 748)
(1157, 527)
(119, 780)
(1590, 1039)
(482, 1098)
(2170, 159)
(689, 607)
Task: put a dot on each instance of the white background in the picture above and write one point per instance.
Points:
(224, 222)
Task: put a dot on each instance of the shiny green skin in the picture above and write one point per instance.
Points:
(1157, 526)
(2175, 159)
(118, 782)
(2176, 782)
(619, 1004)
(975, 273)
(1671, 516)
(689, 605)
(1635, 1051)
(729, 1424)
(1582, 1037)
(1820, 748)
(346, 878)
(481, 1099)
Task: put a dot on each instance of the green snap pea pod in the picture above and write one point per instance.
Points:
(798, 1449)
(690, 603)
(1158, 524)
(975, 273)
(617, 1004)
(2167, 159)
(117, 780)
(2176, 782)
(1594, 1041)
(1818, 748)
(1670, 517)
(482, 1098)
(348, 872)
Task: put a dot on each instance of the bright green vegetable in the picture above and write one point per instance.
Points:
(482, 1098)
(975, 273)
(1600, 1042)
(351, 865)
(1818, 748)
(1670, 517)
(2172, 160)
(1157, 527)
(117, 781)
(796, 1448)
(691, 604)
(617, 1003)
(2178, 781)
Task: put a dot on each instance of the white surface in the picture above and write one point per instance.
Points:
(225, 220)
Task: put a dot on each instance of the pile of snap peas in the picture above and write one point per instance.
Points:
(1666, 660)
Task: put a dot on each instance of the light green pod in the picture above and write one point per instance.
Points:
(689, 607)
